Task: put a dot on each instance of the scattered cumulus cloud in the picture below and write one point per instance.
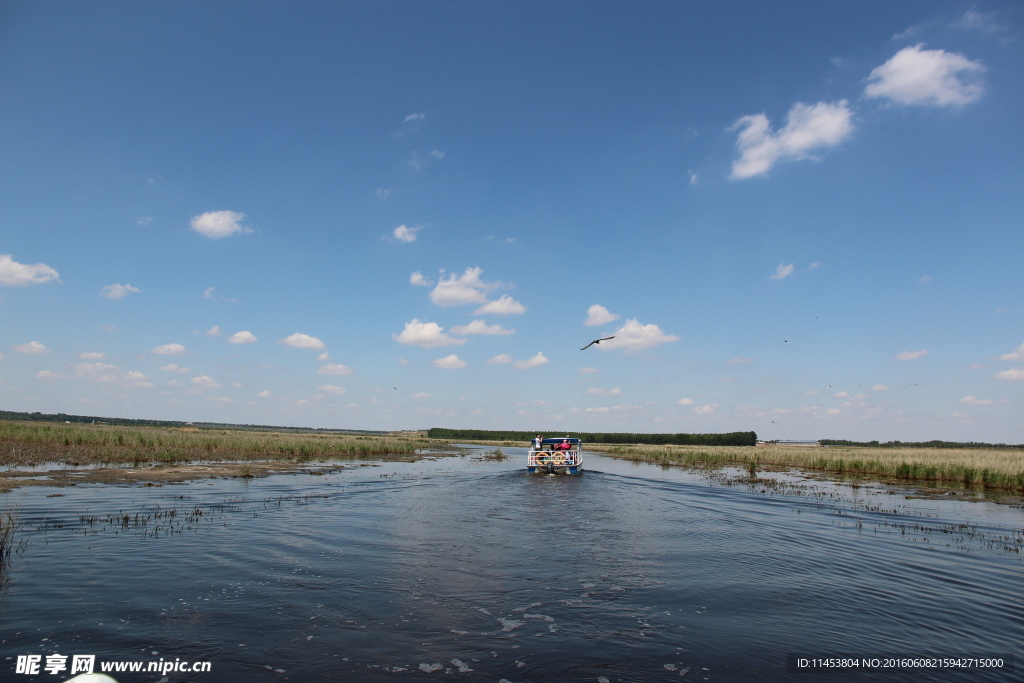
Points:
(47, 374)
(972, 401)
(841, 394)
(739, 360)
(421, 394)
(425, 335)
(505, 305)
(92, 355)
(205, 382)
(213, 331)
(1013, 374)
(31, 347)
(382, 193)
(208, 293)
(169, 350)
(911, 355)
(480, 327)
(924, 280)
(501, 358)
(936, 78)
(535, 361)
(1016, 354)
(143, 220)
(833, 411)
(458, 290)
(588, 371)
(302, 341)
(173, 367)
(118, 291)
(879, 387)
(633, 336)
(418, 280)
(403, 233)
(325, 356)
(599, 315)
(451, 362)
(705, 410)
(243, 337)
(604, 392)
(331, 390)
(264, 394)
(14, 274)
(334, 369)
(685, 401)
(782, 272)
(808, 128)
(218, 224)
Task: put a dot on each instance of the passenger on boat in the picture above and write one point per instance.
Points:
(537, 442)
(564, 446)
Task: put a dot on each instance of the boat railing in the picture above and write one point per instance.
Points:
(568, 458)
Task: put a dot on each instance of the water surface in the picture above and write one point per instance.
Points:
(465, 568)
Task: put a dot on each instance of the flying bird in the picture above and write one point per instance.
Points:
(597, 341)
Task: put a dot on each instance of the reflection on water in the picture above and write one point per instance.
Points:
(471, 568)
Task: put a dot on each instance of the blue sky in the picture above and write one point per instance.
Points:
(799, 218)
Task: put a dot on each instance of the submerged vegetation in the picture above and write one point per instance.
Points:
(967, 467)
(23, 443)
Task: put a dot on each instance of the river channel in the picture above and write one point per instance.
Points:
(466, 568)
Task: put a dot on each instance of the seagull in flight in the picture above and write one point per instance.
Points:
(597, 341)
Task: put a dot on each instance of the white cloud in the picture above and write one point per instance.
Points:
(334, 369)
(927, 77)
(971, 401)
(457, 290)
(694, 178)
(924, 280)
(535, 361)
(205, 382)
(604, 392)
(169, 350)
(588, 371)
(14, 274)
(833, 411)
(685, 401)
(421, 394)
(382, 193)
(812, 392)
(1016, 354)
(47, 374)
(425, 335)
(599, 315)
(437, 154)
(1011, 374)
(911, 355)
(451, 362)
(705, 410)
(739, 360)
(92, 355)
(480, 327)
(506, 305)
(143, 220)
(208, 293)
(841, 394)
(218, 224)
(264, 394)
(31, 347)
(303, 341)
(406, 234)
(118, 291)
(635, 337)
(173, 367)
(502, 358)
(879, 387)
(418, 280)
(331, 389)
(782, 272)
(807, 128)
(213, 331)
(243, 337)
(323, 357)
(136, 379)
(104, 372)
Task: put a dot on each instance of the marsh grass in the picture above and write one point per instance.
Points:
(966, 467)
(26, 443)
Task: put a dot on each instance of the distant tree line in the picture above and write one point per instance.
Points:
(729, 439)
(126, 421)
(917, 444)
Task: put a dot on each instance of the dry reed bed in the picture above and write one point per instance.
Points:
(23, 443)
(969, 467)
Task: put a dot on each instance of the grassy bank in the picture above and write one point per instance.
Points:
(995, 469)
(23, 443)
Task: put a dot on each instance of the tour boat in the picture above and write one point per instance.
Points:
(550, 459)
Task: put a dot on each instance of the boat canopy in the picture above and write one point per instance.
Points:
(548, 442)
